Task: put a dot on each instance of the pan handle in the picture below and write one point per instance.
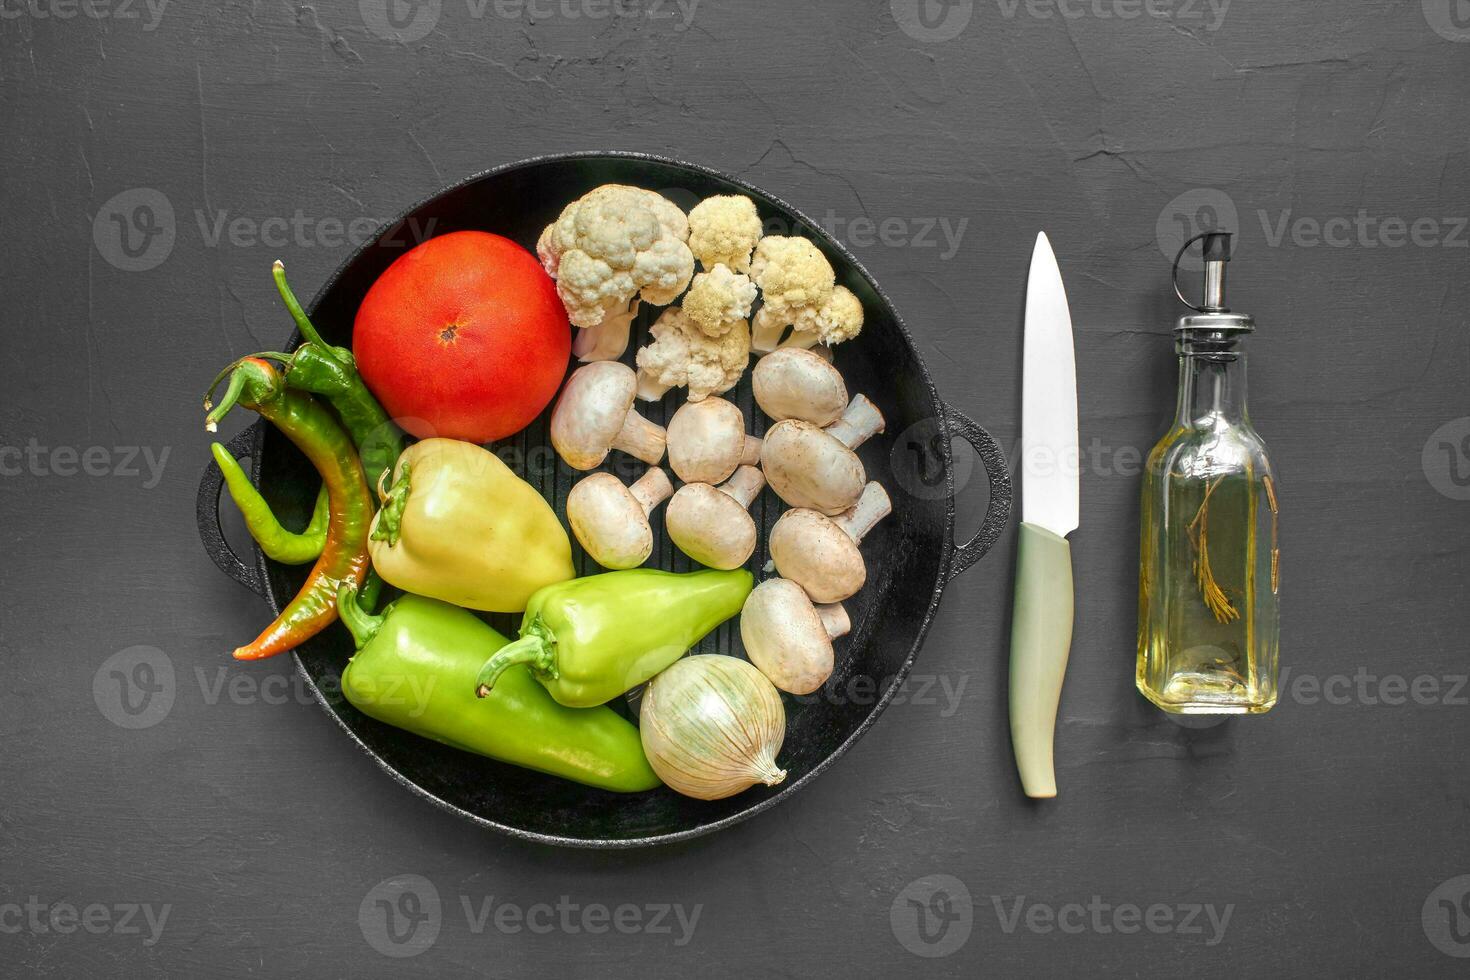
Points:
(207, 514)
(998, 511)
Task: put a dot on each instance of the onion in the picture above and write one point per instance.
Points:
(711, 727)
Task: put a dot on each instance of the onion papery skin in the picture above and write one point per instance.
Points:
(712, 726)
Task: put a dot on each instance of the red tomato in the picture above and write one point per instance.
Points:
(463, 337)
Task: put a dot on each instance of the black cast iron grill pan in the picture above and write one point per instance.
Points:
(911, 556)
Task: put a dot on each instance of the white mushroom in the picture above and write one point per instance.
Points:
(789, 639)
(793, 383)
(813, 467)
(707, 441)
(595, 415)
(820, 553)
(713, 525)
(611, 520)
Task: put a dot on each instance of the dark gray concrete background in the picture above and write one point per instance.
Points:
(1332, 134)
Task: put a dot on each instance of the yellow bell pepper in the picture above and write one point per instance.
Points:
(458, 525)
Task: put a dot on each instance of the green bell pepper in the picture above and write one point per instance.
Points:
(412, 670)
(590, 639)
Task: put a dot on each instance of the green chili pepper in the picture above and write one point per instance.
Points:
(317, 367)
(590, 639)
(279, 544)
(413, 668)
(257, 385)
(331, 372)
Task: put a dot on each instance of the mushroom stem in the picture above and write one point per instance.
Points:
(641, 438)
(834, 619)
(750, 455)
(871, 508)
(651, 489)
(859, 422)
(606, 341)
(744, 486)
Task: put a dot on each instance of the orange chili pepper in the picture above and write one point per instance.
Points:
(257, 384)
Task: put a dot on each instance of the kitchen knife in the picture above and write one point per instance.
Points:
(1041, 625)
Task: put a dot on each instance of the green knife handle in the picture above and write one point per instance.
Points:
(1041, 639)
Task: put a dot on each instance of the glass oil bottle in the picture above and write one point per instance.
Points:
(1209, 574)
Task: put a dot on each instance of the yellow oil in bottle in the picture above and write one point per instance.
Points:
(1209, 580)
(1208, 586)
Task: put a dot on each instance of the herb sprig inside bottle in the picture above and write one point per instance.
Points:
(1209, 575)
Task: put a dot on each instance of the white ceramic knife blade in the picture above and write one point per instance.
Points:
(1049, 470)
(1041, 619)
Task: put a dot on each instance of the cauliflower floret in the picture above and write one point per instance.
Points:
(796, 281)
(839, 319)
(608, 249)
(723, 230)
(589, 284)
(684, 355)
(719, 299)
